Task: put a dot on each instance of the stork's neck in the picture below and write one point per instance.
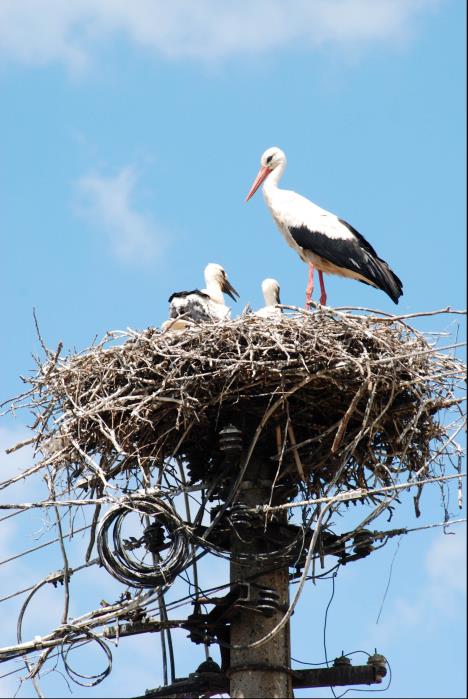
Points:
(270, 295)
(213, 290)
(270, 185)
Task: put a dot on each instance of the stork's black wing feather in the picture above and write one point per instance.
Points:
(192, 305)
(184, 294)
(353, 253)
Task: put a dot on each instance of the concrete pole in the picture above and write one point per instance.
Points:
(271, 679)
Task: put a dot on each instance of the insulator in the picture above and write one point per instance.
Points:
(342, 661)
(154, 537)
(240, 515)
(379, 662)
(377, 659)
(208, 665)
(269, 594)
(363, 541)
(230, 440)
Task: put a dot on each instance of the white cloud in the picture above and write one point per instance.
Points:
(446, 567)
(8, 686)
(442, 593)
(107, 202)
(12, 464)
(41, 31)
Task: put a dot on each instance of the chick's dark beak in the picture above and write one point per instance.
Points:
(229, 290)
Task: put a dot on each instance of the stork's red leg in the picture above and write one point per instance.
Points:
(310, 285)
(323, 293)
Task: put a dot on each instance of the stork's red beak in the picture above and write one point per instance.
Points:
(262, 175)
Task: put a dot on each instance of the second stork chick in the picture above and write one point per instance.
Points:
(271, 294)
(198, 306)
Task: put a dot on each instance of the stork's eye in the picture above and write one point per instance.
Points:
(269, 159)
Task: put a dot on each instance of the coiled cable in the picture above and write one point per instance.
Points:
(119, 562)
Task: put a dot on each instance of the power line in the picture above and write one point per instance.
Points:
(357, 494)
(47, 543)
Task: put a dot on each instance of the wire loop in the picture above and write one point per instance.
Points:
(118, 560)
(74, 674)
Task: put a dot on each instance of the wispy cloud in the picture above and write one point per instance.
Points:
(41, 31)
(446, 566)
(8, 437)
(442, 593)
(107, 203)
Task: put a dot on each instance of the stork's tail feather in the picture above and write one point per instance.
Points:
(386, 280)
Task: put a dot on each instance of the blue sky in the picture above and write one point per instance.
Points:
(130, 134)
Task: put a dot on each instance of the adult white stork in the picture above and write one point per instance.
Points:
(322, 239)
(271, 294)
(208, 304)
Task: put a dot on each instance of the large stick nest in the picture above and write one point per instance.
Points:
(327, 394)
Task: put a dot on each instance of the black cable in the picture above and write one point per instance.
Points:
(181, 601)
(353, 652)
(183, 480)
(162, 638)
(12, 672)
(350, 689)
(13, 514)
(41, 546)
(54, 655)
(122, 566)
(320, 576)
(325, 623)
(74, 674)
(167, 633)
(53, 578)
(384, 689)
(389, 579)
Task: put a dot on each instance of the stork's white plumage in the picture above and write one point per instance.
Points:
(208, 304)
(271, 294)
(320, 238)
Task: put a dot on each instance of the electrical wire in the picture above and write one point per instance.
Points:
(192, 547)
(56, 654)
(326, 617)
(76, 676)
(41, 546)
(360, 689)
(325, 623)
(350, 689)
(356, 494)
(189, 559)
(135, 573)
(353, 652)
(389, 579)
(52, 578)
(165, 633)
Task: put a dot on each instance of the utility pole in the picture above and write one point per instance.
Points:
(262, 671)
(257, 601)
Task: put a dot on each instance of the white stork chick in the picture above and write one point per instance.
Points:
(321, 239)
(271, 294)
(208, 304)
